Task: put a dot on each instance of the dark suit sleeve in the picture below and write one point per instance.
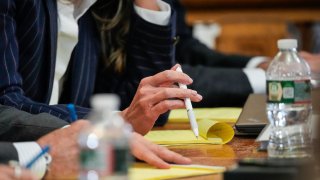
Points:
(217, 77)
(18, 125)
(7, 152)
(220, 87)
(192, 52)
(150, 50)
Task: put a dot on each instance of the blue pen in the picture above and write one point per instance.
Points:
(40, 154)
(72, 112)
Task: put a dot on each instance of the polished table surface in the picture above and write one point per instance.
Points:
(217, 155)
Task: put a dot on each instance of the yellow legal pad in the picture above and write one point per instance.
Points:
(225, 114)
(211, 132)
(142, 171)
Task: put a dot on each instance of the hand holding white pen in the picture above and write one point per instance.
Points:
(191, 116)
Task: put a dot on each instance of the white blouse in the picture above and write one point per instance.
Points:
(68, 31)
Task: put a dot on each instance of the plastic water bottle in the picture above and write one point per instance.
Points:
(104, 147)
(289, 103)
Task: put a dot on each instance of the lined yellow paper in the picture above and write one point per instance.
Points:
(211, 132)
(142, 171)
(226, 114)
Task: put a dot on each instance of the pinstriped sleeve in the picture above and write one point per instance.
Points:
(11, 91)
(8, 45)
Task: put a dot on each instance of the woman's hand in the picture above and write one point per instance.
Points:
(156, 95)
(147, 4)
(154, 154)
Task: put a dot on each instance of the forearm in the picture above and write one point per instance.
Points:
(150, 46)
(30, 127)
(192, 52)
(227, 90)
(19, 101)
(150, 50)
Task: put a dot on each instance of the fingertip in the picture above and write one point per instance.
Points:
(164, 165)
(193, 92)
(197, 98)
(183, 160)
(186, 80)
(175, 66)
(187, 160)
(160, 164)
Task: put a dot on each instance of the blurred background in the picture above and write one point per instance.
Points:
(252, 27)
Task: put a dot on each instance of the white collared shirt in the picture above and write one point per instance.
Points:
(68, 31)
(256, 76)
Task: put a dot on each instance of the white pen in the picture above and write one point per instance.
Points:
(187, 102)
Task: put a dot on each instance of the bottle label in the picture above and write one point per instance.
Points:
(122, 160)
(106, 161)
(289, 92)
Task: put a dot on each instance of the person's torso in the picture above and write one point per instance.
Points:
(36, 33)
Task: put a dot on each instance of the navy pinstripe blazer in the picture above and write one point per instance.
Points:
(28, 40)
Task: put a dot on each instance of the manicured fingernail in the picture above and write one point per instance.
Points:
(193, 92)
(188, 159)
(199, 96)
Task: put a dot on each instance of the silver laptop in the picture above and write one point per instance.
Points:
(253, 117)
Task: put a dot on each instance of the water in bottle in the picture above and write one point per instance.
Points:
(104, 147)
(289, 103)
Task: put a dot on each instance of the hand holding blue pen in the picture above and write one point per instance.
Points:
(39, 155)
(72, 111)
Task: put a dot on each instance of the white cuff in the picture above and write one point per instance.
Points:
(257, 79)
(255, 61)
(66, 126)
(26, 151)
(156, 17)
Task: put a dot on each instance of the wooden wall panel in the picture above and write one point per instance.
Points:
(252, 27)
(215, 4)
(254, 39)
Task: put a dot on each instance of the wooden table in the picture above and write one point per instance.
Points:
(217, 155)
